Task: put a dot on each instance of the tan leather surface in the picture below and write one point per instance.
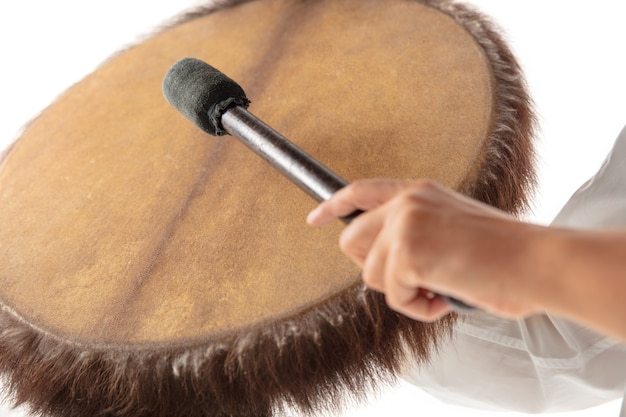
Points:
(122, 222)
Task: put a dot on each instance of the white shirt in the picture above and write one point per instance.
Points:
(542, 363)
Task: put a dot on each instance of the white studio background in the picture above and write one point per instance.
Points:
(572, 53)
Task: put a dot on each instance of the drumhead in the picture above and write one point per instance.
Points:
(131, 237)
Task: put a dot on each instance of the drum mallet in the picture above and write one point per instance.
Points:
(217, 105)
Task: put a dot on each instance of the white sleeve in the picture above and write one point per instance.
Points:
(543, 363)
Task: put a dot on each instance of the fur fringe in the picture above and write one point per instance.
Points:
(507, 176)
(306, 362)
(310, 361)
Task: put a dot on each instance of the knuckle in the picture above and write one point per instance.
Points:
(345, 243)
(350, 246)
(413, 208)
(426, 185)
(397, 250)
(357, 187)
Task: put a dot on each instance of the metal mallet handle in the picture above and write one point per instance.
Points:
(299, 167)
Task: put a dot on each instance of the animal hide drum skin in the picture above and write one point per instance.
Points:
(147, 269)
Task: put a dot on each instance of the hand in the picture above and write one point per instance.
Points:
(417, 238)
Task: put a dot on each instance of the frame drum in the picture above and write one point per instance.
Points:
(147, 269)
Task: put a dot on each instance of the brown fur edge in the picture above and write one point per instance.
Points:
(351, 343)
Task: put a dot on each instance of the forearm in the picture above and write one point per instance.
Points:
(583, 278)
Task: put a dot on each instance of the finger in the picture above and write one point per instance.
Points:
(376, 268)
(402, 283)
(426, 309)
(360, 195)
(415, 303)
(328, 211)
(357, 239)
(374, 265)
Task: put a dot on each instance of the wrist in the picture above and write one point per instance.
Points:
(540, 261)
(583, 278)
(549, 276)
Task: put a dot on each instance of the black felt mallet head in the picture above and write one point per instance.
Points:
(202, 93)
